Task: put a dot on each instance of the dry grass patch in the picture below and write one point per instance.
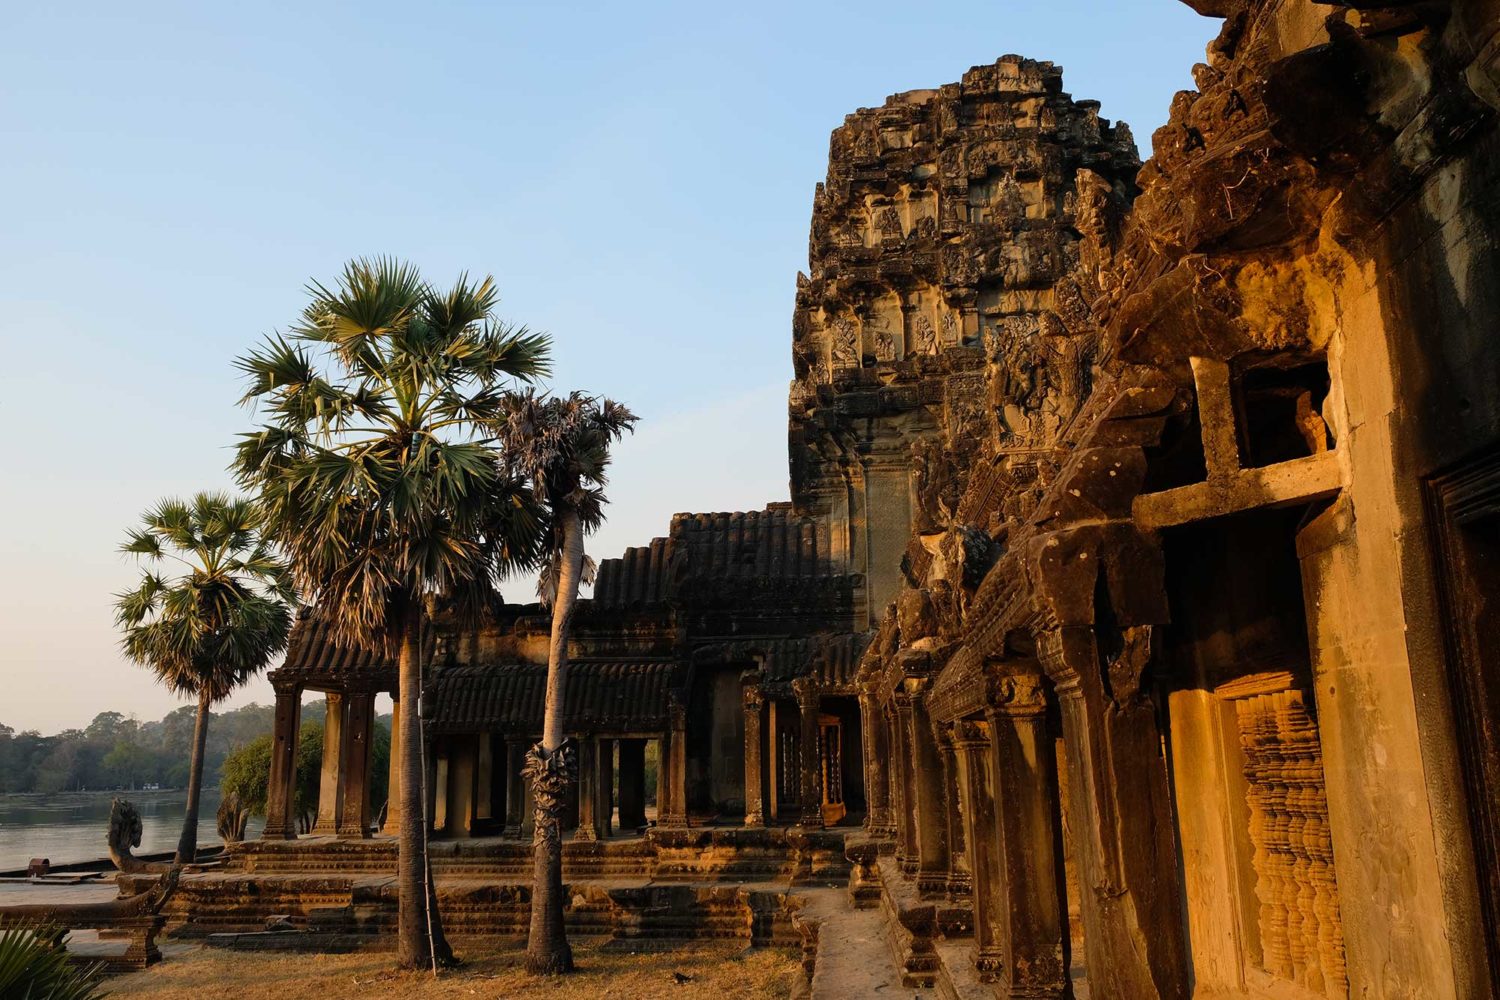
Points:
(602, 975)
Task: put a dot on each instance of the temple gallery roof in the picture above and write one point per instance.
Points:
(608, 696)
(314, 658)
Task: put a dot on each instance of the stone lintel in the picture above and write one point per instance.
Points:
(1301, 479)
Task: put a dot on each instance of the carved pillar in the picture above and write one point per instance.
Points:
(604, 812)
(358, 739)
(331, 785)
(484, 779)
(1031, 886)
(754, 808)
(971, 746)
(773, 764)
(632, 785)
(674, 757)
(588, 788)
(905, 797)
(959, 873)
(930, 812)
(281, 821)
(1121, 812)
(808, 703)
(872, 727)
(393, 785)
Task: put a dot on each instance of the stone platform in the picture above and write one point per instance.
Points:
(671, 884)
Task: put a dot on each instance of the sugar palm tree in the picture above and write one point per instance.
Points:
(561, 446)
(382, 493)
(211, 610)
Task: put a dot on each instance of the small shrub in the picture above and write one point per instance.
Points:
(32, 967)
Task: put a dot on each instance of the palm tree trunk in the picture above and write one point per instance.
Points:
(551, 769)
(187, 843)
(419, 929)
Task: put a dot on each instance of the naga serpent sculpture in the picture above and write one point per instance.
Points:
(125, 834)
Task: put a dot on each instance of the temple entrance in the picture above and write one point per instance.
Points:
(716, 741)
(830, 752)
(841, 761)
(1246, 760)
(1465, 504)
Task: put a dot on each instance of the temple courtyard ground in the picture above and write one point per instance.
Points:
(193, 972)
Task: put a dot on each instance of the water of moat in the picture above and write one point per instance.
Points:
(72, 826)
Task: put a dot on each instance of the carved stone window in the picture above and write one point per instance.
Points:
(1292, 930)
(790, 759)
(1279, 412)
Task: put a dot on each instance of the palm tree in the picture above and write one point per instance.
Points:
(561, 446)
(382, 494)
(211, 625)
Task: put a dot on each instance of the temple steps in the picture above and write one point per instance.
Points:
(355, 908)
(675, 884)
(733, 854)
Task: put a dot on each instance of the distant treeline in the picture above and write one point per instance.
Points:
(115, 752)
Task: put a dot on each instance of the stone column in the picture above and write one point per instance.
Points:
(281, 822)
(773, 764)
(898, 718)
(604, 812)
(931, 812)
(754, 806)
(971, 745)
(632, 785)
(1031, 884)
(484, 779)
(959, 874)
(393, 787)
(516, 805)
(872, 739)
(1121, 811)
(358, 739)
(674, 760)
(808, 705)
(331, 786)
(588, 788)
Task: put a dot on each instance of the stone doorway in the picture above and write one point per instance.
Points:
(1246, 761)
(1465, 511)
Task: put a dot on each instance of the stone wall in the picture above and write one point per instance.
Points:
(1246, 583)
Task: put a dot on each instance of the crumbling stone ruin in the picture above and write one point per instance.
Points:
(1131, 628)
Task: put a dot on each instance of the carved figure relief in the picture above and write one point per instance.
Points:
(885, 346)
(924, 341)
(888, 223)
(950, 329)
(845, 344)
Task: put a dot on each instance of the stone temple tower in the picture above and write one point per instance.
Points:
(931, 335)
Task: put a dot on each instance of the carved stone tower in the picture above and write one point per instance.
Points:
(946, 221)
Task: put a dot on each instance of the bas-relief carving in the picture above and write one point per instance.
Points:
(845, 344)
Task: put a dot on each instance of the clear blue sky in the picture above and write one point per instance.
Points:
(638, 177)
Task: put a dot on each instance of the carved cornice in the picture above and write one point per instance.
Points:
(1023, 694)
(971, 734)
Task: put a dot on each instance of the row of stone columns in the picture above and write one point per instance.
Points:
(596, 786)
(762, 803)
(344, 789)
(344, 785)
(976, 820)
(975, 809)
